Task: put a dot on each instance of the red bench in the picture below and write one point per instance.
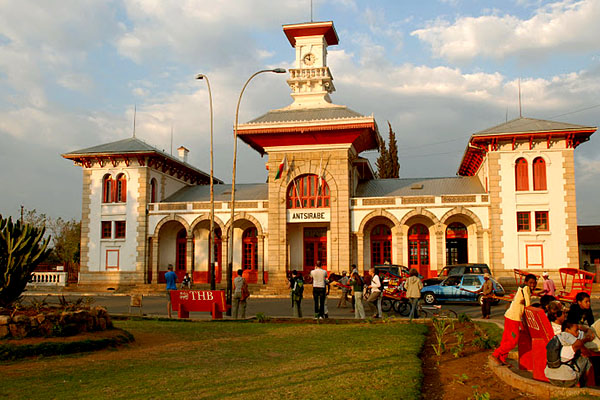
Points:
(536, 332)
(212, 301)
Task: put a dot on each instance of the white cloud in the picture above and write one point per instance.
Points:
(570, 26)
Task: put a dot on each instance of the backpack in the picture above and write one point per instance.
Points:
(299, 287)
(553, 349)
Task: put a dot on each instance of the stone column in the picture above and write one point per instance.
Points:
(361, 251)
(189, 253)
(155, 260)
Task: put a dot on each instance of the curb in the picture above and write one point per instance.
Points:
(537, 388)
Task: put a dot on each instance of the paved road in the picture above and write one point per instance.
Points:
(273, 307)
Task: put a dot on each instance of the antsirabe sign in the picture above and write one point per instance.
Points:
(309, 215)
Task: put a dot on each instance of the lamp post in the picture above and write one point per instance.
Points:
(231, 219)
(211, 231)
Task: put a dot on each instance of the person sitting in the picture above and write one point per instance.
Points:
(581, 311)
(186, 282)
(556, 315)
(545, 300)
(574, 366)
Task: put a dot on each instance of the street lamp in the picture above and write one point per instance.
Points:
(211, 262)
(235, 130)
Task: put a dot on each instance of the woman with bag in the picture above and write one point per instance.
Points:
(357, 287)
(240, 294)
(413, 288)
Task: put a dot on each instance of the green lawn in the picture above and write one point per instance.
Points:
(233, 360)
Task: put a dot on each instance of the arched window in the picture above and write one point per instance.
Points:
(249, 249)
(381, 245)
(308, 191)
(539, 174)
(521, 178)
(153, 190)
(107, 189)
(121, 189)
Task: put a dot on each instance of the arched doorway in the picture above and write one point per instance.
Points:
(180, 254)
(216, 257)
(315, 248)
(381, 245)
(457, 250)
(250, 254)
(418, 249)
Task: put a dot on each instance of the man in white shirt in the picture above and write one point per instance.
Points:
(319, 277)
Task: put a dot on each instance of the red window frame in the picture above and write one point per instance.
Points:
(181, 250)
(107, 189)
(521, 176)
(523, 221)
(308, 191)
(249, 249)
(539, 174)
(120, 229)
(121, 189)
(542, 221)
(108, 251)
(106, 229)
(381, 245)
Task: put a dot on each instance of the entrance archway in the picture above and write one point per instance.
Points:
(250, 254)
(418, 249)
(457, 249)
(381, 245)
(315, 248)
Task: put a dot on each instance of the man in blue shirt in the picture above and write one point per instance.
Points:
(171, 278)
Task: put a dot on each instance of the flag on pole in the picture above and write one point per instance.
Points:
(282, 167)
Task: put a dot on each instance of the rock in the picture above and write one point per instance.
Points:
(4, 331)
(101, 324)
(40, 318)
(18, 330)
(22, 319)
(4, 319)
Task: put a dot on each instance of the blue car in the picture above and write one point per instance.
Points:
(451, 289)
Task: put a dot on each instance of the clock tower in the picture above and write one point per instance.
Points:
(311, 81)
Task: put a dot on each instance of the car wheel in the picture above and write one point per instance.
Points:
(480, 299)
(386, 305)
(429, 298)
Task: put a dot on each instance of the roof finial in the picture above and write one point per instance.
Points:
(520, 113)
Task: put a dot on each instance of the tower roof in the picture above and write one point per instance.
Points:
(325, 29)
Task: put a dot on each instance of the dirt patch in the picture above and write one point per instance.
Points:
(458, 378)
(107, 334)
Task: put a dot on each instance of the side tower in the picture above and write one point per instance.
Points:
(527, 166)
(312, 146)
(120, 180)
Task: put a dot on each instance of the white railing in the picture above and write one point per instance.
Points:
(48, 279)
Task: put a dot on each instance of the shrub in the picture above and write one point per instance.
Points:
(22, 248)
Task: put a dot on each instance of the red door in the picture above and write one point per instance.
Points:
(381, 245)
(180, 254)
(418, 249)
(250, 255)
(217, 255)
(315, 248)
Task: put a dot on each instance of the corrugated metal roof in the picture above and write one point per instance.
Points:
(306, 114)
(244, 191)
(431, 187)
(526, 125)
(129, 145)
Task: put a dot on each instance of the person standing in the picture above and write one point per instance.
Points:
(549, 287)
(239, 283)
(512, 319)
(319, 277)
(344, 286)
(171, 279)
(413, 286)
(375, 287)
(296, 293)
(357, 287)
(487, 290)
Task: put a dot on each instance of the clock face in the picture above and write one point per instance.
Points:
(309, 59)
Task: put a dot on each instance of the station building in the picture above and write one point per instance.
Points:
(510, 205)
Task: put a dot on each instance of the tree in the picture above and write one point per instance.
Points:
(22, 248)
(387, 163)
(382, 162)
(394, 167)
(66, 238)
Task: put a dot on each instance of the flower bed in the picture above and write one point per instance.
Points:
(53, 322)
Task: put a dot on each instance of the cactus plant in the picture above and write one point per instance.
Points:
(22, 248)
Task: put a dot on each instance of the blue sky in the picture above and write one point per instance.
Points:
(72, 70)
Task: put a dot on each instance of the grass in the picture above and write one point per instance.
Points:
(233, 360)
